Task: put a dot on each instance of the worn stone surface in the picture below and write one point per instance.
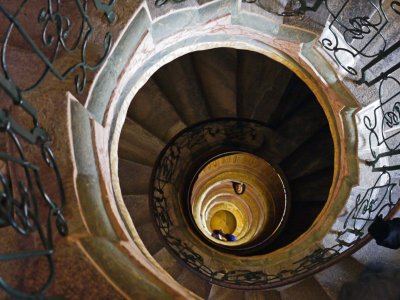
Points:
(130, 181)
(143, 111)
(183, 90)
(138, 145)
(216, 70)
(307, 289)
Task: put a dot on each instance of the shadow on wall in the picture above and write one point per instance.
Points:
(373, 284)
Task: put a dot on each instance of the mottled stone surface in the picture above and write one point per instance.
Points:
(307, 289)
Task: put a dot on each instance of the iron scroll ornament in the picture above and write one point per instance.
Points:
(25, 205)
(29, 206)
(56, 37)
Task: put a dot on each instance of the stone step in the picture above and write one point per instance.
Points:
(220, 293)
(169, 262)
(315, 154)
(138, 145)
(332, 279)
(179, 83)
(261, 83)
(152, 110)
(308, 289)
(301, 217)
(150, 237)
(138, 208)
(134, 178)
(377, 257)
(216, 69)
(192, 282)
(295, 95)
(301, 125)
(262, 295)
(314, 187)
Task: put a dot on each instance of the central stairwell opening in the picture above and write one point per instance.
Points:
(201, 106)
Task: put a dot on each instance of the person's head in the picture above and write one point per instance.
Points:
(217, 234)
(239, 187)
(379, 229)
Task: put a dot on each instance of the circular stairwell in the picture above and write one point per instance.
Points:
(103, 247)
(130, 66)
(204, 86)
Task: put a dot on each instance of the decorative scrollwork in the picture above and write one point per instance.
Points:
(107, 9)
(25, 203)
(375, 200)
(383, 125)
(292, 8)
(31, 189)
(353, 33)
(58, 35)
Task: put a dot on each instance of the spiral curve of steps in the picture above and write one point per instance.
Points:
(226, 83)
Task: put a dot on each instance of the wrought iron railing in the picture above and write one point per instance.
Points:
(360, 38)
(359, 43)
(174, 164)
(30, 202)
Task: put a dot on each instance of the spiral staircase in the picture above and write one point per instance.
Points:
(298, 101)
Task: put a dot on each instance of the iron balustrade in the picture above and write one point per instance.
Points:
(356, 39)
(30, 203)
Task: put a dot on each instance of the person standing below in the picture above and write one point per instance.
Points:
(230, 237)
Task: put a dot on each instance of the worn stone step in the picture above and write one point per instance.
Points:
(308, 289)
(150, 237)
(138, 145)
(262, 295)
(301, 217)
(314, 187)
(168, 262)
(332, 279)
(134, 178)
(295, 95)
(377, 257)
(152, 110)
(301, 125)
(217, 292)
(261, 83)
(138, 208)
(194, 283)
(179, 83)
(314, 155)
(216, 69)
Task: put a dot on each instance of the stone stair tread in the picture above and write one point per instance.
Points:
(262, 295)
(216, 69)
(185, 95)
(192, 282)
(332, 279)
(301, 217)
(308, 289)
(258, 93)
(314, 155)
(314, 187)
(138, 145)
(138, 208)
(376, 256)
(220, 293)
(150, 238)
(168, 262)
(163, 121)
(134, 178)
(294, 96)
(302, 125)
